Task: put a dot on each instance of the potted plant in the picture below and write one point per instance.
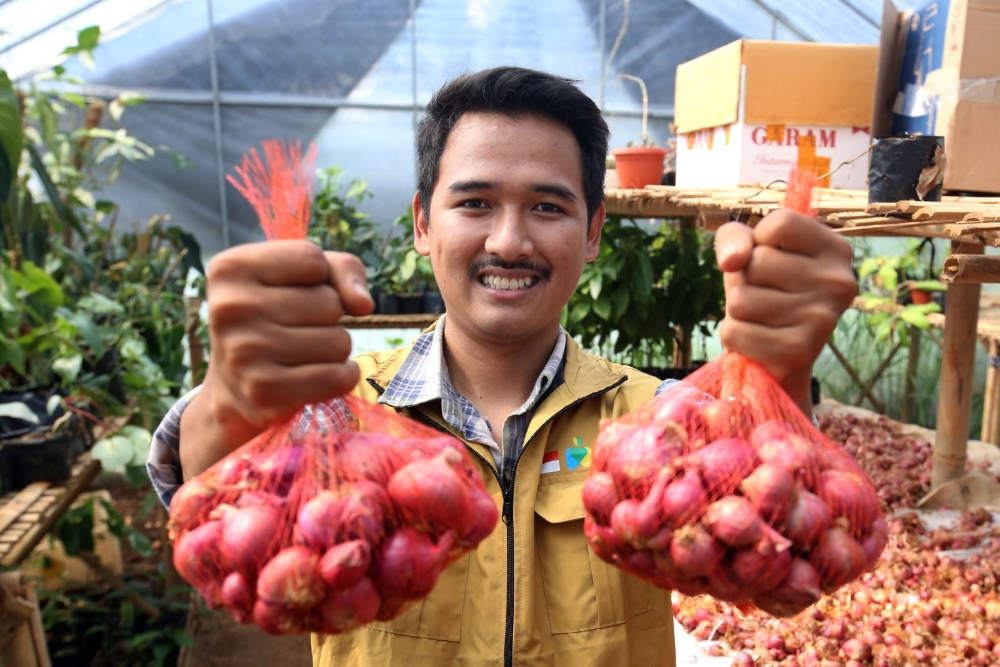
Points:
(639, 166)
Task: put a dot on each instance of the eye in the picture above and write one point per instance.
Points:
(474, 204)
(548, 207)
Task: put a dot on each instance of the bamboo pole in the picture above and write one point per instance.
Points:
(971, 269)
(955, 387)
(912, 358)
(991, 397)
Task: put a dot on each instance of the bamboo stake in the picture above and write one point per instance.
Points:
(955, 387)
(971, 269)
(991, 397)
(912, 358)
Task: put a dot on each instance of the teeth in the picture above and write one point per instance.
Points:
(497, 282)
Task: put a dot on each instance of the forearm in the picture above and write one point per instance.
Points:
(208, 433)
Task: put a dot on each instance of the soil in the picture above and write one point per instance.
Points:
(218, 640)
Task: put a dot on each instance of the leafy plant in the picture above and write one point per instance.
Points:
(645, 283)
(886, 284)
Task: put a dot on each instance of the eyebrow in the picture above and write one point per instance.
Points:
(547, 188)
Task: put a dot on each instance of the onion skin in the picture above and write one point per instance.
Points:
(600, 495)
(365, 515)
(722, 585)
(483, 517)
(875, 542)
(637, 458)
(695, 552)
(196, 559)
(771, 489)
(684, 499)
(776, 444)
(291, 579)
(344, 564)
(239, 597)
(726, 418)
(850, 497)
(318, 523)
(734, 521)
(250, 536)
(807, 521)
(679, 405)
(430, 495)
(372, 457)
(798, 591)
(409, 564)
(231, 470)
(350, 608)
(276, 469)
(191, 505)
(604, 541)
(838, 558)
(276, 619)
(764, 565)
(723, 464)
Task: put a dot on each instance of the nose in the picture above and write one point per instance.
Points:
(510, 237)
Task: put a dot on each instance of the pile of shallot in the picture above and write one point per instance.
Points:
(308, 530)
(740, 498)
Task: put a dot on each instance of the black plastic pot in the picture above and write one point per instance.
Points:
(895, 166)
(387, 304)
(433, 303)
(672, 373)
(411, 304)
(40, 456)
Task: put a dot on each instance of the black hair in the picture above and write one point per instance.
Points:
(514, 92)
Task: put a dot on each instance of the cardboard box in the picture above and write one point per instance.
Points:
(749, 111)
(939, 74)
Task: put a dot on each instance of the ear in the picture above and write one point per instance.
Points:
(594, 233)
(421, 228)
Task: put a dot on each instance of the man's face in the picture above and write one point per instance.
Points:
(507, 233)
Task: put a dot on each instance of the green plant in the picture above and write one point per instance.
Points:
(336, 222)
(886, 283)
(645, 284)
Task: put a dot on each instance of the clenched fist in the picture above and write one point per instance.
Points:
(787, 280)
(277, 343)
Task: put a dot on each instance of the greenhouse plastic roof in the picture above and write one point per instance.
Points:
(222, 75)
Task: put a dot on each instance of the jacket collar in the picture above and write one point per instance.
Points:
(583, 375)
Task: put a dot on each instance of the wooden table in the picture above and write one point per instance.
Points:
(969, 222)
(26, 516)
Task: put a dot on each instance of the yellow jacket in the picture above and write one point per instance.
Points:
(533, 592)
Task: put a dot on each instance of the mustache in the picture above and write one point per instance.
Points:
(544, 273)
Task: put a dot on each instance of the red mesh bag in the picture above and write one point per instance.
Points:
(722, 486)
(343, 514)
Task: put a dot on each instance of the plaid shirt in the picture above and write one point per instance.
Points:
(423, 377)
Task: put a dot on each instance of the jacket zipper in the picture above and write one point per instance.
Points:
(507, 514)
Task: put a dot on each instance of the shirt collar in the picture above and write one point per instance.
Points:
(423, 375)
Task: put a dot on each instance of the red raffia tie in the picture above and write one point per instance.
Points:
(798, 192)
(279, 187)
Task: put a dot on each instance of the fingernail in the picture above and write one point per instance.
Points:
(724, 252)
(362, 289)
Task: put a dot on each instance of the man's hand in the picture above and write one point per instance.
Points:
(788, 280)
(274, 313)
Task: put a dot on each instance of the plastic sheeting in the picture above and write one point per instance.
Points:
(351, 76)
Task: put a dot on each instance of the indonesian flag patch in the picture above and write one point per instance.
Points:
(550, 462)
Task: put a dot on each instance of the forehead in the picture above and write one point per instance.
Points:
(510, 145)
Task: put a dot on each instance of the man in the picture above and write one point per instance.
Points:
(509, 207)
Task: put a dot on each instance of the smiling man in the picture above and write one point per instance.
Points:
(509, 208)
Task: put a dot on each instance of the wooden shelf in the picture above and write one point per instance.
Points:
(418, 321)
(26, 516)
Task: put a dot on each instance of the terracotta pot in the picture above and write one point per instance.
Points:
(639, 166)
(920, 297)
